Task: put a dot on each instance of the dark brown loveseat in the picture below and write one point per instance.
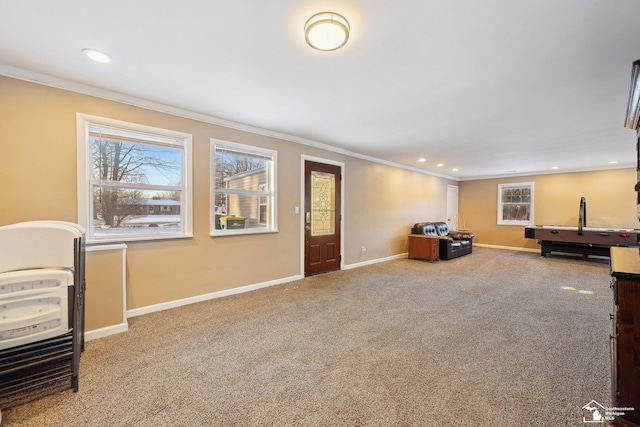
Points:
(452, 244)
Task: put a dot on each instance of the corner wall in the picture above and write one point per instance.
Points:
(38, 181)
(610, 196)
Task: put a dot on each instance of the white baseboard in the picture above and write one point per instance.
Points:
(106, 331)
(123, 327)
(374, 261)
(191, 300)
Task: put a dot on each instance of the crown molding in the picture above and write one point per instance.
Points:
(549, 172)
(56, 82)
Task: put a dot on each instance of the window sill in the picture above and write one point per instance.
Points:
(123, 239)
(242, 232)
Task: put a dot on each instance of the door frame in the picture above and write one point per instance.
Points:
(300, 210)
(452, 219)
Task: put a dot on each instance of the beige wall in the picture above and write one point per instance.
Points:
(610, 196)
(105, 284)
(386, 202)
(38, 181)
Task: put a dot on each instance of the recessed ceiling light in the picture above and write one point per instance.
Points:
(422, 160)
(455, 169)
(97, 56)
(555, 167)
(326, 31)
(613, 162)
(440, 165)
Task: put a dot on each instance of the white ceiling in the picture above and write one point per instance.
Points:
(491, 87)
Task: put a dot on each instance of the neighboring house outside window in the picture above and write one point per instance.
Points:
(243, 189)
(133, 181)
(263, 208)
(515, 203)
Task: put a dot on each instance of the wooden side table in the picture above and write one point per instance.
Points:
(423, 247)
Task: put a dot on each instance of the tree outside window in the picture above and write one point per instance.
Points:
(515, 204)
(243, 189)
(118, 164)
(136, 181)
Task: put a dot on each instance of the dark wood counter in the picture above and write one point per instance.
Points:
(625, 345)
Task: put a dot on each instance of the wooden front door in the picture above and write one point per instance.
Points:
(322, 185)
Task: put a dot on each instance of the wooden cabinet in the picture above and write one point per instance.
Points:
(632, 119)
(423, 247)
(625, 345)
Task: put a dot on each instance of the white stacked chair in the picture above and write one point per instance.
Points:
(42, 286)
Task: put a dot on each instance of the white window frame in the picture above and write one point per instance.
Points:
(501, 220)
(270, 193)
(86, 182)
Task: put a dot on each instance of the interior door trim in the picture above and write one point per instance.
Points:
(303, 159)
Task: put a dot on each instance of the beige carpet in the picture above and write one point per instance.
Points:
(489, 339)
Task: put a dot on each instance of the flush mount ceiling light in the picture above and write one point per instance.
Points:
(326, 31)
(97, 56)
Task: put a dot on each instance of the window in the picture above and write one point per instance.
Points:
(323, 202)
(515, 204)
(243, 187)
(133, 181)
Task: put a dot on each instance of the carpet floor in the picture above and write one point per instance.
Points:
(495, 338)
